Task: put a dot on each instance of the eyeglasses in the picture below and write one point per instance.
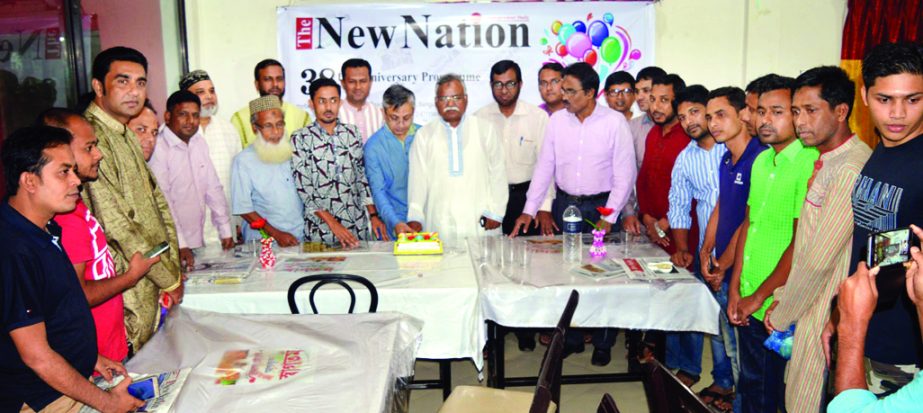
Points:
(501, 85)
(546, 83)
(269, 126)
(571, 92)
(451, 98)
(618, 92)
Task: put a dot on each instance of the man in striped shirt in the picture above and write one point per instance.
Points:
(821, 107)
(357, 80)
(694, 177)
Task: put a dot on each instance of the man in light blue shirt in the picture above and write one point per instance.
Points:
(262, 186)
(858, 297)
(387, 156)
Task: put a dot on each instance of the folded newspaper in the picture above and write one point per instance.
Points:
(159, 391)
(648, 269)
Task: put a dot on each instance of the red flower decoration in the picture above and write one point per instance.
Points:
(258, 224)
(605, 211)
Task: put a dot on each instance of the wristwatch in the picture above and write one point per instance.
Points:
(483, 222)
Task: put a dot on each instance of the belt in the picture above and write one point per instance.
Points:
(582, 198)
(520, 186)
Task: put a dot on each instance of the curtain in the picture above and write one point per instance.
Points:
(868, 23)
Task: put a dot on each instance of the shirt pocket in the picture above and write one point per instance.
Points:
(524, 151)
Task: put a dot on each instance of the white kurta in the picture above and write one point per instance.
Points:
(450, 189)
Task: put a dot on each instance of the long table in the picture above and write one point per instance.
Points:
(318, 363)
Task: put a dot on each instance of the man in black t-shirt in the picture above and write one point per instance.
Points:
(48, 345)
(889, 195)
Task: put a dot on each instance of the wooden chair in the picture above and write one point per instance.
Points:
(339, 279)
(607, 405)
(547, 395)
(666, 393)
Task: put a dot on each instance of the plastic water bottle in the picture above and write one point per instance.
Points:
(573, 240)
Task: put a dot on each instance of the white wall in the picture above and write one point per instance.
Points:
(712, 42)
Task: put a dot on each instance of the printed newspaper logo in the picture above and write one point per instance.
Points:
(304, 33)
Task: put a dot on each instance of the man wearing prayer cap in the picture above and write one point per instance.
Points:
(221, 137)
(262, 185)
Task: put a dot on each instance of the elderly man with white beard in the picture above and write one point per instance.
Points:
(262, 186)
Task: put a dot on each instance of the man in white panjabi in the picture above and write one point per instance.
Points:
(221, 137)
(457, 181)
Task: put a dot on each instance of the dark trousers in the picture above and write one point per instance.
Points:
(514, 207)
(603, 338)
(760, 386)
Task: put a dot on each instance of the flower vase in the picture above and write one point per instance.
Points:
(598, 249)
(267, 256)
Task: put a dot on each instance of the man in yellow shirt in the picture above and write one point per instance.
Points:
(269, 79)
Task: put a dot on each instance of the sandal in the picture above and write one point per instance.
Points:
(723, 402)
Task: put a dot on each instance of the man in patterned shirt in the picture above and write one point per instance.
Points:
(329, 173)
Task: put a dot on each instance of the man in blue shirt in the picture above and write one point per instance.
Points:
(726, 113)
(387, 159)
(262, 186)
(48, 345)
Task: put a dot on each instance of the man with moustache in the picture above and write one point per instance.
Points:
(821, 108)
(620, 92)
(521, 127)
(269, 79)
(587, 154)
(48, 347)
(85, 243)
(357, 110)
(126, 199)
(387, 159)
(458, 183)
(694, 177)
(146, 127)
(664, 143)
(221, 137)
(725, 114)
(262, 184)
(550, 76)
(779, 182)
(187, 177)
(640, 127)
(329, 173)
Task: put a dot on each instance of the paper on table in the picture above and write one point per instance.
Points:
(602, 270)
(651, 269)
(170, 384)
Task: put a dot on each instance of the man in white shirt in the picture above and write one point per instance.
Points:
(357, 80)
(457, 180)
(221, 137)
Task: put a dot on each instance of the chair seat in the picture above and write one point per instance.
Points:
(477, 399)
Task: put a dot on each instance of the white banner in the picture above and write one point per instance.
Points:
(413, 44)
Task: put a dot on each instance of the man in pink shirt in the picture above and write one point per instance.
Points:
(185, 173)
(85, 244)
(357, 110)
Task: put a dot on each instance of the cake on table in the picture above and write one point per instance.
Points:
(418, 243)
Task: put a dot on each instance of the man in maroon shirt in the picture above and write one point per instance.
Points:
(664, 143)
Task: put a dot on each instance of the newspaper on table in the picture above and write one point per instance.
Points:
(646, 269)
(166, 388)
(222, 269)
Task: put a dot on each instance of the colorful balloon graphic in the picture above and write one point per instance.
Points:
(556, 26)
(566, 32)
(608, 18)
(578, 45)
(590, 57)
(561, 50)
(611, 50)
(580, 26)
(598, 32)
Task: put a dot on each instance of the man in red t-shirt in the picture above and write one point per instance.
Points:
(85, 244)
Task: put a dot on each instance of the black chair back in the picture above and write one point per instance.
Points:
(607, 405)
(339, 279)
(666, 393)
(549, 377)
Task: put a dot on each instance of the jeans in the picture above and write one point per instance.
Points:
(724, 345)
(760, 388)
(684, 349)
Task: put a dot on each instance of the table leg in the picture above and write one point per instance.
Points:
(445, 377)
(496, 377)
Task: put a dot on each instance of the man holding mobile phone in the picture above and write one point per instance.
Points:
(85, 243)
(889, 195)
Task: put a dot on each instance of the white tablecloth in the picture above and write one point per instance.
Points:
(348, 363)
(442, 291)
(535, 296)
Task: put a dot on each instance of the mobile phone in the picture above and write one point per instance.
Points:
(888, 248)
(145, 389)
(711, 264)
(159, 249)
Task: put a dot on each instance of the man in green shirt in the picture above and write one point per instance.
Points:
(779, 183)
(125, 198)
(269, 79)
